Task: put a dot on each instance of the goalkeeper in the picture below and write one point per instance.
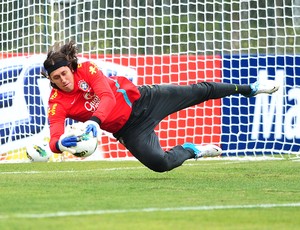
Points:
(81, 91)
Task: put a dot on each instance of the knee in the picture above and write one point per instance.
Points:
(159, 167)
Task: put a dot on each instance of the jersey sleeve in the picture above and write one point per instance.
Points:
(100, 84)
(57, 116)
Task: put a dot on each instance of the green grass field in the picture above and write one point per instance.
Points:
(203, 194)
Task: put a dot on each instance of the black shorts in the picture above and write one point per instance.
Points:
(156, 103)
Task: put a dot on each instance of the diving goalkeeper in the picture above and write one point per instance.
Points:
(81, 91)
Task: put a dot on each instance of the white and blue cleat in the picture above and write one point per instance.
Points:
(267, 87)
(203, 150)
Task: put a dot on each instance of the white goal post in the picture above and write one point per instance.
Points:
(159, 42)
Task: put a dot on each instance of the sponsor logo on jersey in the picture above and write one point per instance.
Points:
(93, 104)
(89, 95)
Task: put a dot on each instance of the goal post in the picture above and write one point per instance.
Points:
(160, 42)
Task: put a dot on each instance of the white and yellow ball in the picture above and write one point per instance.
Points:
(86, 143)
(38, 152)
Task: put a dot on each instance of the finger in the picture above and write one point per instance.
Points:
(73, 139)
(95, 133)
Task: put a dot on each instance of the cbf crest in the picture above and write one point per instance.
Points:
(83, 85)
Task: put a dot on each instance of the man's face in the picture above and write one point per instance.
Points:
(63, 77)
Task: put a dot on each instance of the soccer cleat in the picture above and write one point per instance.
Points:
(259, 87)
(204, 150)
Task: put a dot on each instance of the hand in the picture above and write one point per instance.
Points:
(91, 126)
(66, 141)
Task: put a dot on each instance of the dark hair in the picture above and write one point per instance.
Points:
(58, 56)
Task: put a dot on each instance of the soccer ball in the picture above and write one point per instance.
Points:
(86, 143)
(39, 152)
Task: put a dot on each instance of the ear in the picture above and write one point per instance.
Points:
(50, 79)
(70, 67)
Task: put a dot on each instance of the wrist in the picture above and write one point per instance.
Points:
(95, 119)
(57, 146)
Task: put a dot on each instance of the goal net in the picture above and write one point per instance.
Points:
(160, 42)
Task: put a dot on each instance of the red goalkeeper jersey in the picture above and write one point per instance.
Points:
(94, 94)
